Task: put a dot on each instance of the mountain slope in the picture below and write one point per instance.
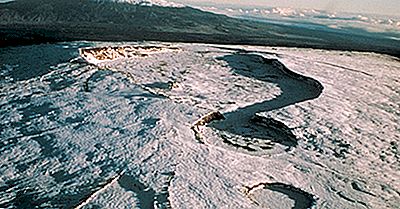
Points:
(27, 21)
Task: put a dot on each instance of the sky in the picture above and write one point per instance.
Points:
(385, 7)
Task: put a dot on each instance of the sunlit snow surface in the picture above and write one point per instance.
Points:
(117, 133)
(162, 3)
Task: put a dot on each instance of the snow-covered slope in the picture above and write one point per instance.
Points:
(162, 3)
(302, 128)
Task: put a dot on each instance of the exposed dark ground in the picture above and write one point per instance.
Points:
(40, 21)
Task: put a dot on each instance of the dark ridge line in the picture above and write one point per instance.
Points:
(306, 201)
(357, 187)
(86, 199)
(346, 68)
(340, 194)
(239, 50)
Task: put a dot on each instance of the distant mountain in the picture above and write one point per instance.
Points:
(32, 21)
(88, 19)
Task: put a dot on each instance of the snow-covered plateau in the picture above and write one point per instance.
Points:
(173, 125)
